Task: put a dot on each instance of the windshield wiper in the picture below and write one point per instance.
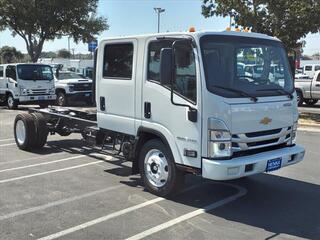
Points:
(241, 93)
(281, 90)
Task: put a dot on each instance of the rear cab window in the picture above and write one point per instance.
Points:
(118, 61)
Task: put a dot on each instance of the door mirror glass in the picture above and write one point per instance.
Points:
(166, 66)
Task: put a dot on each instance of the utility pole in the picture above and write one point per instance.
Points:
(69, 45)
(159, 10)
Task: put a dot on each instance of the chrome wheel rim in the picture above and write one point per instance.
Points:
(61, 100)
(156, 168)
(20, 132)
(10, 101)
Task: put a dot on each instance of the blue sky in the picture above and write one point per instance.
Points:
(130, 17)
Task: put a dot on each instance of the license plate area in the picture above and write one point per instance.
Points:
(41, 98)
(273, 164)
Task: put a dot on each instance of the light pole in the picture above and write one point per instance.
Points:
(159, 10)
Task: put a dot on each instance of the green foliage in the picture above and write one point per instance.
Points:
(10, 55)
(289, 20)
(63, 53)
(37, 21)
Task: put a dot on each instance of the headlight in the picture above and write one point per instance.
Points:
(23, 91)
(293, 134)
(71, 88)
(219, 144)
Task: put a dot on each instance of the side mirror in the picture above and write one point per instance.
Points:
(166, 66)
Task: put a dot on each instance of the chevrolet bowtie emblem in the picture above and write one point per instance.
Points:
(265, 121)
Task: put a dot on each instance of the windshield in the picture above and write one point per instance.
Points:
(34, 72)
(256, 66)
(69, 75)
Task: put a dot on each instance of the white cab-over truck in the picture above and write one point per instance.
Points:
(175, 103)
(26, 84)
(308, 89)
(72, 86)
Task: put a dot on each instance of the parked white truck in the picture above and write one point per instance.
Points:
(72, 86)
(308, 89)
(175, 104)
(26, 84)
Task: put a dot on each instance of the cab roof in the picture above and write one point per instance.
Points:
(198, 35)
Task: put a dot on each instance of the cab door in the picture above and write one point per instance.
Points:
(161, 115)
(116, 77)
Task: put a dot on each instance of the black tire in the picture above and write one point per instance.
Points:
(300, 98)
(41, 129)
(310, 102)
(175, 177)
(61, 99)
(30, 138)
(11, 102)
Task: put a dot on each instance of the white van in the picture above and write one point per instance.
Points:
(311, 69)
(26, 84)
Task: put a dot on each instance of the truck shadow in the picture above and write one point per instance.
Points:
(276, 204)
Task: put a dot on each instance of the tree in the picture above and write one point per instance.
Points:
(37, 21)
(63, 53)
(10, 54)
(289, 20)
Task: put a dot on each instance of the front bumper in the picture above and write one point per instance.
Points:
(236, 167)
(79, 95)
(37, 98)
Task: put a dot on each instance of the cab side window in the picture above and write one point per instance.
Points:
(318, 78)
(185, 81)
(154, 58)
(118, 61)
(11, 72)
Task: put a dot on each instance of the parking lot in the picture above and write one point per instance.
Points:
(70, 191)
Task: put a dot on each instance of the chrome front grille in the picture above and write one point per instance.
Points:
(37, 91)
(262, 139)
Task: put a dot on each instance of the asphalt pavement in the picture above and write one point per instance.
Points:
(68, 190)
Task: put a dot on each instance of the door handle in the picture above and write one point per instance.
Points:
(317, 85)
(147, 110)
(102, 104)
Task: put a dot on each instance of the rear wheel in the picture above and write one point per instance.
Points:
(300, 99)
(310, 102)
(25, 132)
(158, 170)
(41, 129)
(11, 102)
(61, 99)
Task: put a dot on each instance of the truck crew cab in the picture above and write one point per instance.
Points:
(175, 103)
(26, 84)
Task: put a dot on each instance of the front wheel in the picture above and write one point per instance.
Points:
(61, 99)
(310, 102)
(11, 102)
(300, 99)
(158, 170)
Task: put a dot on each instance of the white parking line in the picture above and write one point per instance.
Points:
(241, 192)
(31, 159)
(127, 210)
(41, 164)
(102, 219)
(6, 140)
(57, 203)
(8, 144)
(48, 172)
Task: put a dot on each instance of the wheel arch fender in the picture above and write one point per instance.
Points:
(145, 134)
